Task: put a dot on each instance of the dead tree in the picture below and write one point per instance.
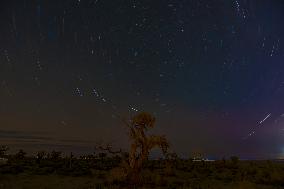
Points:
(108, 148)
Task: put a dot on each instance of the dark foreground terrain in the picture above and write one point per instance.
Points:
(100, 171)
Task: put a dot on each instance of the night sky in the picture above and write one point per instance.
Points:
(210, 71)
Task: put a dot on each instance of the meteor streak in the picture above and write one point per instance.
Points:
(265, 118)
